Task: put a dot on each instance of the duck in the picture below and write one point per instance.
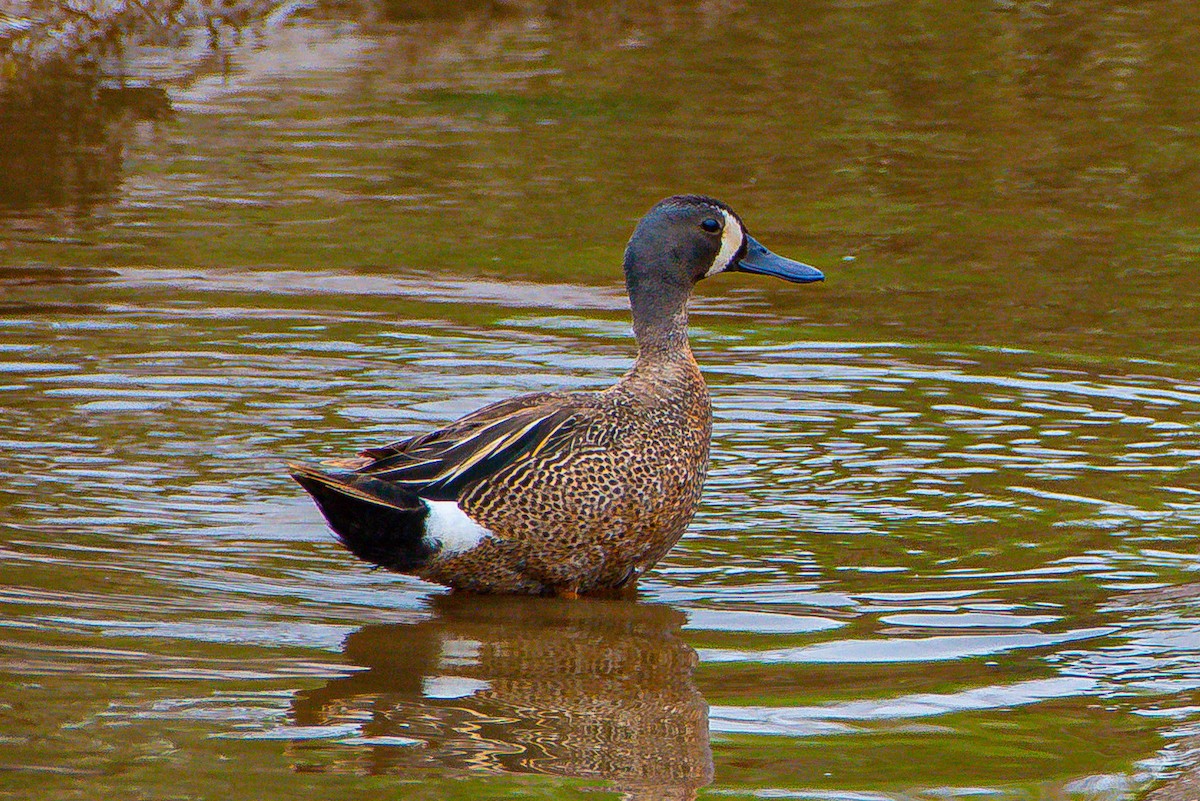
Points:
(561, 493)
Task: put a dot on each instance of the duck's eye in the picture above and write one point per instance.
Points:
(711, 225)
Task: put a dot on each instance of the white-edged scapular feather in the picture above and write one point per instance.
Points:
(339, 486)
(455, 470)
(453, 459)
(731, 243)
(450, 529)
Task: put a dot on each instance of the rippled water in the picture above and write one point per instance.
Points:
(916, 570)
(948, 547)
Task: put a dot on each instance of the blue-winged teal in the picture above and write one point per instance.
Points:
(561, 492)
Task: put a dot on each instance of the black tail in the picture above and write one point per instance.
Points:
(374, 519)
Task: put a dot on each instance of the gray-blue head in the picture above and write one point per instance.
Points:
(692, 237)
(685, 239)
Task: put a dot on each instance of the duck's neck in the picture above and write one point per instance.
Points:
(659, 320)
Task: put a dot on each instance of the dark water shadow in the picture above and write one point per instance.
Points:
(592, 690)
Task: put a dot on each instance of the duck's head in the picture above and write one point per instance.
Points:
(687, 238)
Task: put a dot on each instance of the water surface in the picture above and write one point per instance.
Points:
(948, 547)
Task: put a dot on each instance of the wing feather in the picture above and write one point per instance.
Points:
(440, 464)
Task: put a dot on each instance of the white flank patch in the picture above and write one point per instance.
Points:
(451, 529)
(731, 243)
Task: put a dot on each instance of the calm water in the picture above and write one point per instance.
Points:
(949, 544)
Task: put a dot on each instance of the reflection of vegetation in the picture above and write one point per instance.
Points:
(60, 92)
(415, 10)
(531, 107)
(1035, 165)
(57, 144)
(67, 82)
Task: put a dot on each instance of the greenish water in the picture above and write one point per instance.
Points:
(948, 547)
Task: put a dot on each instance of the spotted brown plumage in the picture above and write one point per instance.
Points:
(561, 492)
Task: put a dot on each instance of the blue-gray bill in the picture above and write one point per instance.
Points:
(762, 261)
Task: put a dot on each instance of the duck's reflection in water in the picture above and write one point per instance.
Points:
(589, 689)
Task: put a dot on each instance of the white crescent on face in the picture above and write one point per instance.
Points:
(731, 242)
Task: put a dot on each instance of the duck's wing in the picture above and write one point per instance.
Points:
(438, 465)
